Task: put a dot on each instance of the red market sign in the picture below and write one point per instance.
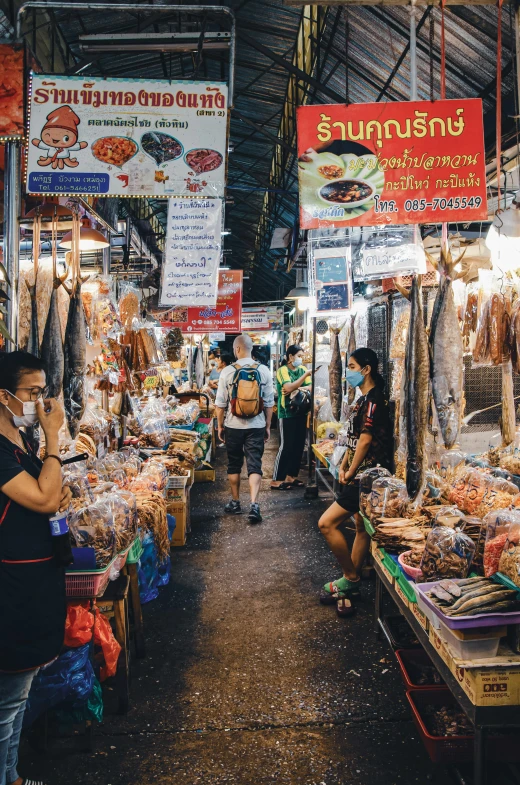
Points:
(12, 91)
(225, 317)
(391, 163)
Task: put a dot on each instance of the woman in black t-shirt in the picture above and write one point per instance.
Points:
(369, 443)
(32, 578)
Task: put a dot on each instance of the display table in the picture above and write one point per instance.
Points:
(322, 471)
(483, 717)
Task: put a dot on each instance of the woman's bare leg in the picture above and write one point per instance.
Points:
(329, 526)
(361, 545)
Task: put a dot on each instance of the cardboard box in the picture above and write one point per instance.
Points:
(378, 555)
(205, 474)
(181, 511)
(494, 681)
(419, 615)
(402, 596)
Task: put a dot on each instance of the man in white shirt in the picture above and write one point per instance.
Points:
(244, 437)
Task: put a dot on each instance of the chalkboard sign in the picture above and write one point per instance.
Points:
(332, 269)
(333, 298)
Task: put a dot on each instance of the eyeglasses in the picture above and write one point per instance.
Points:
(36, 392)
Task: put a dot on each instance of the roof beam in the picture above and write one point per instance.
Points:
(275, 139)
(291, 68)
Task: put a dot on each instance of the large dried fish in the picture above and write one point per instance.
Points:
(448, 368)
(33, 344)
(52, 346)
(417, 367)
(335, 374)
(199, 367)
(351, 391)
(74, 391)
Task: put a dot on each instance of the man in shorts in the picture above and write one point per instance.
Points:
(244, 437)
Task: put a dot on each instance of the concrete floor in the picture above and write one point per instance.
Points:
(248, 679)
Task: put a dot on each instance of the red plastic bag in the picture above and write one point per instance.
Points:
(78, 625)
(104, 637)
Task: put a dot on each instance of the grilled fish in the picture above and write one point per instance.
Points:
(74, 392)
(450, 587)
(417, 367)
(351, 391)
(335, 374)
(52, 345)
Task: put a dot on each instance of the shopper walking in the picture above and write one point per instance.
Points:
(32, 579)
(369, 443)
(292, 419)
(244, 406)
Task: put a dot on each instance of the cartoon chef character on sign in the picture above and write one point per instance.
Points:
(59, 137)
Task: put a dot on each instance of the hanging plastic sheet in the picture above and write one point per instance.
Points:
(386, 251)
(148, 570)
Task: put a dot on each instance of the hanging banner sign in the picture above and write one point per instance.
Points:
(225, 317)
(391, 163)
(330, 281)
(266, 319)
(12, 92)
(192, 252)
(126, 137)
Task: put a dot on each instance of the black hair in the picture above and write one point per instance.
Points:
(293, 349)
(13, 365)
(226, 358)
(364, 356)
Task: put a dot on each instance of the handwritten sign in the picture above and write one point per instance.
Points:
(224, 317)
(192, 252)
(268, 318)
(330, 281)
(126, 137)
(391, 163)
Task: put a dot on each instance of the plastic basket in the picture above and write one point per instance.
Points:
(441, 749)
(177, 482)
(189, 427)
(135, 552)
(407, 659)
(88, 584)
(368, 526)
(407, 588)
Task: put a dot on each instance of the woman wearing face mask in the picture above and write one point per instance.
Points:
(293, 427)
(369, 443)
(32, 580)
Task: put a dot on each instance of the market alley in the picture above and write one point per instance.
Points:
(248, 679)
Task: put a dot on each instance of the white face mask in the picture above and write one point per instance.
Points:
(29, 417)
(297, 362)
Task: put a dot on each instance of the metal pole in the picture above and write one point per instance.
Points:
(11, 234)
(107, 252)
(311, 491)
(413, 54)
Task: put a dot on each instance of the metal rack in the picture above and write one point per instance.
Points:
(483, 718)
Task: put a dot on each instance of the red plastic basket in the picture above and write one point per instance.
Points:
(441, 749)
(411, 657)
(88, 584)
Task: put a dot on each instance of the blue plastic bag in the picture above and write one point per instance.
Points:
(68, 679)
(165, 567)
(148, 572)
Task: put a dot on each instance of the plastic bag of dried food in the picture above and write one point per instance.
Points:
(131, 501)
(509, 564)
(119, 478)
(154, 433)
(93, 527)
(80, 488)
(129, 299)
(132, 466)
(157, 471)
(388, 498)
(493, 331)
(497, 525)
(448, 554)
(452, 462)
(124, 520)
(447, 515)
(366, 480)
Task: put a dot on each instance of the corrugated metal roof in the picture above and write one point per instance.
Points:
(377, 36)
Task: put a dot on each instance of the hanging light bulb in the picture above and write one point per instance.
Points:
(503, 238)
(89, 239)
(49, 209)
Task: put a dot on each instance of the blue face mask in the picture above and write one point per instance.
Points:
(354, 378)
(297, 362)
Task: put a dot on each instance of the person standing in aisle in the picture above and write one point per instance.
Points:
(32, 577)
(291, 376)
(244, 406)
(221, 361)
(369, 443)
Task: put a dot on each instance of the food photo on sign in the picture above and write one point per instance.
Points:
(397, 163)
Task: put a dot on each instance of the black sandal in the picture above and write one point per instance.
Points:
(284, 486)
(298, 484)
(345, 608)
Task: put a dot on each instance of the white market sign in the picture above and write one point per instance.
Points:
(126, 137)
(192, 252)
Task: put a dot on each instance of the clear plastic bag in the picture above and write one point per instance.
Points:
(132, 466)
(155, 433)
(509, 564)
(447, 554)
(129, 299)
(80, 488)
(477, 493)
(451, 464)
(119, 478)
(124, 519)
(157, 472)
(366, 481)
(497, 525)
(93, 527)
(388, 498)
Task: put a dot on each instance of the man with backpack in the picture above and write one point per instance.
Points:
(245, 397)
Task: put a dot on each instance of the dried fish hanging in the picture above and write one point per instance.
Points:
(508, 420)
(351, 347)
(52, 342)
(74, 389)
(33, 344)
